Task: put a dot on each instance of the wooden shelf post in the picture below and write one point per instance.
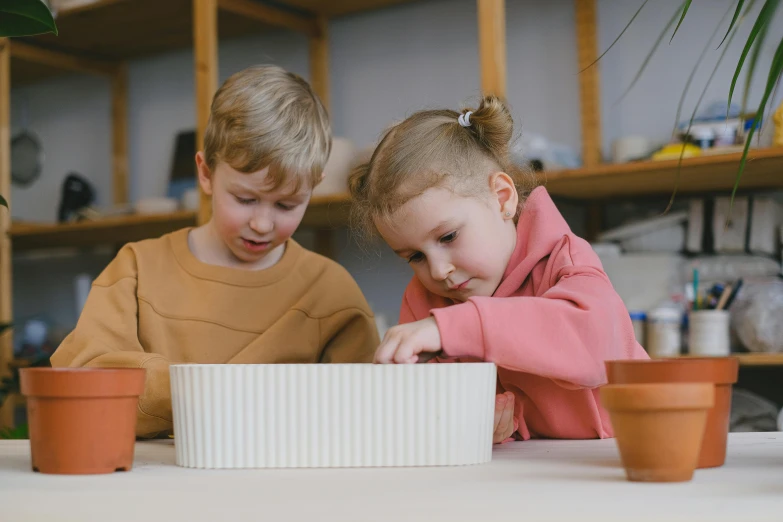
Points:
(492, 46)
(6, 344)
(205, 43)
(589, 80)
(119, 113)
(319, 79)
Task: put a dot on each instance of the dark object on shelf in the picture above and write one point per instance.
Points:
(77, 193)
(183, 165)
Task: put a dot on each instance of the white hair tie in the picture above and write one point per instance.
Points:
(464, 119)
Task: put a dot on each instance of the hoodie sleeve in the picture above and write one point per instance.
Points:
(106, 336)
(565, 334)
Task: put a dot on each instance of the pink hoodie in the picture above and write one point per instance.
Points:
(549, 327)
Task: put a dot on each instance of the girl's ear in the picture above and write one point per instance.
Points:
(204, 173)
(505, 193)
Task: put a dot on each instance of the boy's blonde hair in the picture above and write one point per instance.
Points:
(265, 116)
(432, 149)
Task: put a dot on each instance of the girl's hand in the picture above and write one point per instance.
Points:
(504, 417)
(409, 343)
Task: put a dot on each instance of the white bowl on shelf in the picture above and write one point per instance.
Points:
(156, 206)
(332, 415)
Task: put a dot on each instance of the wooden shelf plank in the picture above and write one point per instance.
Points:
(125, 29)
(328, 211)
(114, 230)
(340, 7)
(764, 170)
(323, 212)
(760, 359)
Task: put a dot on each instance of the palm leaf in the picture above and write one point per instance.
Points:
(652, 52)
(733, 21)
(693, 71)
(618, 36)
(764, 17)
(775, 71)
(3, 202)
(25, 17)
(754, 57)
(698, 104)
(685, 8)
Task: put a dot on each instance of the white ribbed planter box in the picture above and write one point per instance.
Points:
(332, 415)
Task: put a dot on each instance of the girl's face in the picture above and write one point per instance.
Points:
(459, 247)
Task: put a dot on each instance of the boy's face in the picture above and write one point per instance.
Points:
(252, 220)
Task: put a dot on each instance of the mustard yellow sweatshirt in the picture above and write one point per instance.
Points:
(157, 304)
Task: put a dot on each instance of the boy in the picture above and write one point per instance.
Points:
(237, 289)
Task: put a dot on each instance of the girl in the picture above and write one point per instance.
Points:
(499, 276)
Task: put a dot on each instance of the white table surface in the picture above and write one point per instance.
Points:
(526, 481)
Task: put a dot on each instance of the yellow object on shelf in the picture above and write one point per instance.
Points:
(777, 118)
(674, 151)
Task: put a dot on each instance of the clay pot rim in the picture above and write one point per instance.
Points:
(720, 370)
(82, 382)
(658, 396)
(102, 371)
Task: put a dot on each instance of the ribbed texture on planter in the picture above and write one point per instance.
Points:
(332, 415)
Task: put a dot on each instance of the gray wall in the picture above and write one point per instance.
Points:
(384, 65)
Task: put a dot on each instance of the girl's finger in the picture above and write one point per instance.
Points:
(499, 406)
(506, 424)
(404, 353)
(385, 351)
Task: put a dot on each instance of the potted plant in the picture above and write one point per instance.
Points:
(738, 11)
(81, 420)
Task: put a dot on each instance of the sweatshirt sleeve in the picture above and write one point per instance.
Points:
(106, 336)
(348, 336)
(565, 334)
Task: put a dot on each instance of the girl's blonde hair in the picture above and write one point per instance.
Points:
(265, 116)
(430, 149)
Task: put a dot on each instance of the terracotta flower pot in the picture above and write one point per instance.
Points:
(659, 427)
(82, 420)
(721, 371)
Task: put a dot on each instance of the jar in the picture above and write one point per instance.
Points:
(708, 333)
(638, 319)
(664, 335)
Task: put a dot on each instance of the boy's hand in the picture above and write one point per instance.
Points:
(409, 343)
(504, 417)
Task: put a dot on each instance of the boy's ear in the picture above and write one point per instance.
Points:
(503, 188)
(204, 174)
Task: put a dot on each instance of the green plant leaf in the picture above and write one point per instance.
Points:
(764, 17)
(25, 17)
(685, 8)
(692, 75)
(20, 432)
(652, 52)
(775, 71)
(754, 57)
(618, 36)
(698, 104)
(3, 202)
(733, 21)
